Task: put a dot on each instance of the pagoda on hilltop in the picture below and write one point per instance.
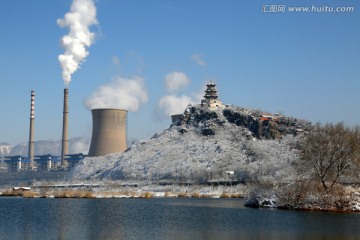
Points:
(211, 99)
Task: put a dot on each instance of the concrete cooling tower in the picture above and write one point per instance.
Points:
(109, 132)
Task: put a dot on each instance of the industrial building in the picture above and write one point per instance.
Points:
(73, 159)
(48, 162)
(17, 163)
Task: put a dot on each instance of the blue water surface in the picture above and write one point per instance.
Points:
(176, 218)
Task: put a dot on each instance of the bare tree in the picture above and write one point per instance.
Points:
(329, 153)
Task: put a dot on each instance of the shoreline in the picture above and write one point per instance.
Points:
(149, 191)
(109, 195)
(80, 194)
(139, 191)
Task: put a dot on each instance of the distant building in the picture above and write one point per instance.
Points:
(211, 99)
(176, 118)
(48, 162)
(73, 159)
(17, 163)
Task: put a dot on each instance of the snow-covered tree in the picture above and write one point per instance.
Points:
(329, 154)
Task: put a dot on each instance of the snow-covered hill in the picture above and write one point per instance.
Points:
(201, 147)
(76, 145)
(5, 149)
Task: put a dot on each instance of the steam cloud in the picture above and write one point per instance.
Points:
(120, 93)
(175, 81)
(173, 104)
(82, 15)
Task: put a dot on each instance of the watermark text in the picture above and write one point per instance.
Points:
(277, 8)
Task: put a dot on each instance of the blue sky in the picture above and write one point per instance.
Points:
(303, 64)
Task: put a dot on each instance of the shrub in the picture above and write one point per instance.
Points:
(236, 195)
(225, 195)
(182, 194)
(30, 194)
(146, 195)
(196, 195)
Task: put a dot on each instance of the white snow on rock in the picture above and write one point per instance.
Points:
(5, 149)
(202, 148)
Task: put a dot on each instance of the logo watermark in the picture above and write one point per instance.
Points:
(273, 8)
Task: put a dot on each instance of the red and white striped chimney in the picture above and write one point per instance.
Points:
(32, 131)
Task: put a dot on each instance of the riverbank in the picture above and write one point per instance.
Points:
(348, 201)
(134, 191)
(341, 199)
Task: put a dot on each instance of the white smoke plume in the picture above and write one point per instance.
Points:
(171, 104)
(121, 93)
(175, 81)
(81, 17)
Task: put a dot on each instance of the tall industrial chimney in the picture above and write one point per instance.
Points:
(31, 132)
(65, 140)
(109, 132)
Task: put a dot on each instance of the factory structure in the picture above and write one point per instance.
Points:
(109, 135)
(45, 162)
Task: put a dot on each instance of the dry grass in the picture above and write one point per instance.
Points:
(206, 196)
(12, 193)
(236, 195)
(30, 194)
(8, 192)
(225, 195)
(146, 195)
(126, 193)
(196, 195)
(182, 194)
(73, 194)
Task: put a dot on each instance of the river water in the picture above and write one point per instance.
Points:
(178, 218)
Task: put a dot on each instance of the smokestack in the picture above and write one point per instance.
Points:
(65, 141)
(109, 132)
(31, 132)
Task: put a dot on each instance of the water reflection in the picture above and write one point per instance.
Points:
(165, 219)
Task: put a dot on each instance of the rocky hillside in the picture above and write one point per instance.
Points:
(205, 145)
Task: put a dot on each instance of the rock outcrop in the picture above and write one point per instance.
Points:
(201, 147)
(261, 125)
